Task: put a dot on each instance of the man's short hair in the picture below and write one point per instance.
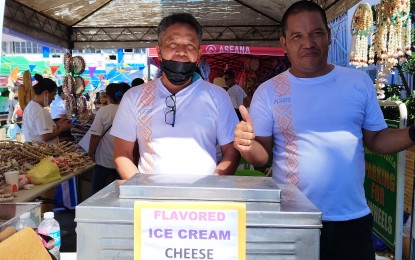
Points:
(137, 82)
(59, 90)
(183, 18)
(5, 93)
(229, 73)
(299, 7)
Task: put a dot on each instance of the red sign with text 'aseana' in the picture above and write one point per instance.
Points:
(237, 49)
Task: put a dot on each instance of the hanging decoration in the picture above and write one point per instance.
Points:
(68, 84)
(74, 85)
(87, 82)
(32, 67)
(78, 65)
(14, 74)
(91, 71)
(392, 38)
(54, 69)
(390, 41)
(362, 30)
(67, 62)
(25, 90)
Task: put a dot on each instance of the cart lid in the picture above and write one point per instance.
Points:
(294, 210)
(201, 187)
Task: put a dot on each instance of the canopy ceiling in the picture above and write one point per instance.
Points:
(107, 24)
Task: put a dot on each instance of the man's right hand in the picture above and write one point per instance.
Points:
(244, 131)
(63, 124)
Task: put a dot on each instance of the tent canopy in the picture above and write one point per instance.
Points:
(108, 24)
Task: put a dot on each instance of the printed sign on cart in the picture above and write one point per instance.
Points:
(189, 230)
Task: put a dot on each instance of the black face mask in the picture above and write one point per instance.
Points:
(177, 72)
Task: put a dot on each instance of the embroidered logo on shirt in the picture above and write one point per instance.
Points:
(283, 117)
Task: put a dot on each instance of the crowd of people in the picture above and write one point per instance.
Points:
(174, 124)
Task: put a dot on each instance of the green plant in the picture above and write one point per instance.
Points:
(392, 92)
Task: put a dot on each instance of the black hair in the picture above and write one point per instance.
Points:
(5, 93)
(116, 91)
(184, 18)
(44, 84)
(198, 71)
(125, 85)
(299, 7)
(59, 90)
(137, 82)
(229, 73)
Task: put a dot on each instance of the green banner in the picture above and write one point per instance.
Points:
(380, 188)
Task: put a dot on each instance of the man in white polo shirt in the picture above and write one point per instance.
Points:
(179, 118)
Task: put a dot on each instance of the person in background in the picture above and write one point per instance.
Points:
(37, 121)
(125, 85)
(101, 143)
(101, 101)
(17, 117)
(318, 143)
(58, 112)
(219, 81)
(204, 69)
(137, 82)
(236, 92)
(178, 118)
(13, 100)
(13, 128)
(57, 107)
(38, 124)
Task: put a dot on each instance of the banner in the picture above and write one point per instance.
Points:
(54, 69)
(91, 71)
(32, 67)
(220, 48)
(381, 190)
(45, 51)
(14, 73)
(120, 56)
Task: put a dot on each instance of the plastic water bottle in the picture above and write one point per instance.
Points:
(50, 227)
(25, 221)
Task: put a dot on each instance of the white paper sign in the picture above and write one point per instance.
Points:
(189, 230)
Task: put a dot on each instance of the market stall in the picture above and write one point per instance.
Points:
(252, 65)
(292, 219)
(24, 157)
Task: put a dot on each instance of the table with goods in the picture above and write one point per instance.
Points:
(66, 159)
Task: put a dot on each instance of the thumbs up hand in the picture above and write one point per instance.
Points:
(244, 131)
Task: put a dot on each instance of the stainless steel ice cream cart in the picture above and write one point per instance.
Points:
(281, 223)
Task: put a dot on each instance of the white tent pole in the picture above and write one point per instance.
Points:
(2, 4)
